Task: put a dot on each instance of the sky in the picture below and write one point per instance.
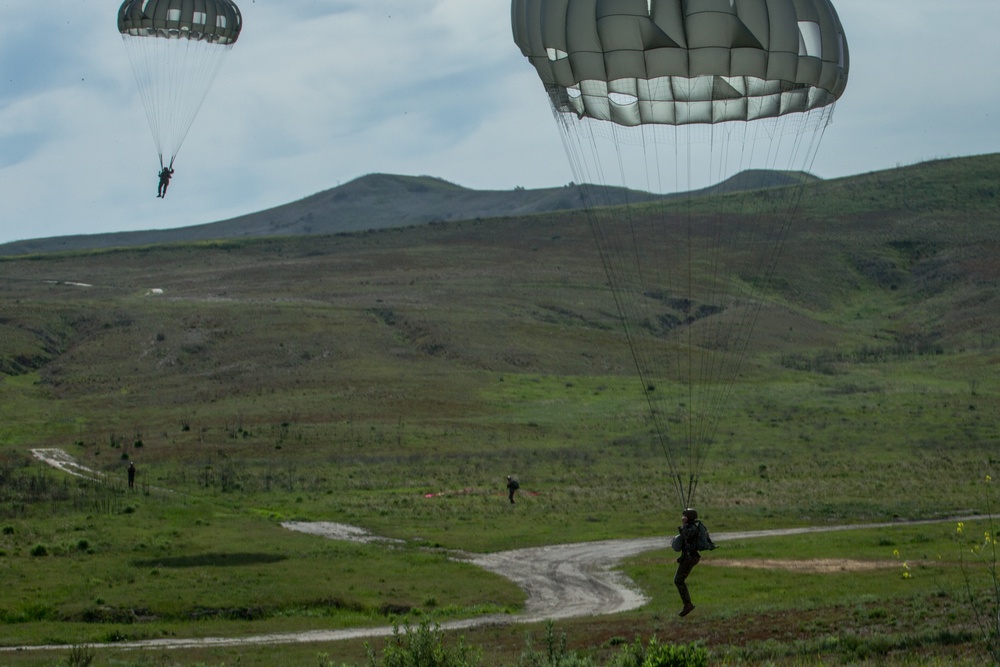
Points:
(319, 92)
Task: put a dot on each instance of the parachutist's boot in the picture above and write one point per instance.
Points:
(688, 608)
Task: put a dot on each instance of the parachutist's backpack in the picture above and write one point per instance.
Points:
(705, 542)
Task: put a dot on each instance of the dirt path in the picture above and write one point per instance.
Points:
(561, 581)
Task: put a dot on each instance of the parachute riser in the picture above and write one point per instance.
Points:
(686, 491)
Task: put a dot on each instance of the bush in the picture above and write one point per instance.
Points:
(422, 647)
(672, 655)
(39, 550)
(80, 656)
(661, 655)
(555, 655)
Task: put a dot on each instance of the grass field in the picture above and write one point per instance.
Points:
(348, 378)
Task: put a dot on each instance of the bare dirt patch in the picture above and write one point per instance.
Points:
(814, 566)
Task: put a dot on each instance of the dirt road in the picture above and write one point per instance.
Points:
(561, 581)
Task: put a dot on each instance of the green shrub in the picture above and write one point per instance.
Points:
(422, 647)
(555, 655)
(80, 656)
(661, 655)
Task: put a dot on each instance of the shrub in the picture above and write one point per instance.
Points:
(39, 550)
(555, 655)
(983, 588)
(661, 655)
(422, 647)
(80, 656)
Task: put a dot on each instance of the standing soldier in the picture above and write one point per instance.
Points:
(131, 475)
(512, 486)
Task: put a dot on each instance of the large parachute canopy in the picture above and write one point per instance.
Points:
(176, 48)
(722, 103)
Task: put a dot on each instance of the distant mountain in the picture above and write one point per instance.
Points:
(379, 201)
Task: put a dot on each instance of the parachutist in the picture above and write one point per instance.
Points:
(692, 537)
(512, 486)
(165, 175)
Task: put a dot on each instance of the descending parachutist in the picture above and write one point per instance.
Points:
(165, 175)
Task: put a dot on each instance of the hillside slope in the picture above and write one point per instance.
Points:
(903, 259)
(381, 201)
(376, 201)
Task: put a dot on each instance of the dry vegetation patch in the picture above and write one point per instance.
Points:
(811, 566)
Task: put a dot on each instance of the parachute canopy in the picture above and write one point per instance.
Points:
(684, 61)
(217, 21)
(719, 106)
(176, 48)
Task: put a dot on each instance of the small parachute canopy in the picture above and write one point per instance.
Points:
(677, 62)
(217, 21)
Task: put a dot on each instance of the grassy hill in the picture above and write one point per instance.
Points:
(345, 377)
(376, 201)
(381, 201)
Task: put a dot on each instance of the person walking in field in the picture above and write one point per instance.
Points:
(512, 486)
(692, 538)
(131, 474)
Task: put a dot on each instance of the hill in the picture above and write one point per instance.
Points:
(381, 201)
(376, 201)
(922, 238)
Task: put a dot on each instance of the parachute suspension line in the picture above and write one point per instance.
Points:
(729, 146)
(623, 252)
(173, 77)
(663, 277)
(737, 283)
(757, 212)
(698, 256)
(644, 271)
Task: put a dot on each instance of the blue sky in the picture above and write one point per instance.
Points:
(319, 92)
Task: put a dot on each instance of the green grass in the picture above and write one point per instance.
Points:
(162, 565)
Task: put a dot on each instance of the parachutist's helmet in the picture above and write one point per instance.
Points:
(690, 513)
